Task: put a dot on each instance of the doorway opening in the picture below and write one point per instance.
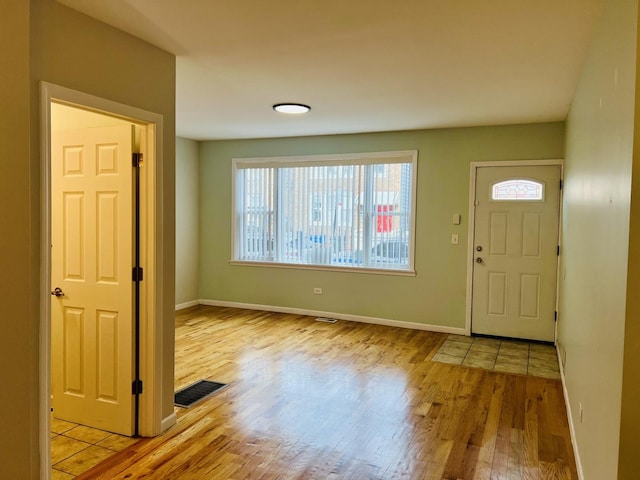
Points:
(512, 277)
(65, 218)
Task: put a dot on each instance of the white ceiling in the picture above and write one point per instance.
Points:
(362, 65)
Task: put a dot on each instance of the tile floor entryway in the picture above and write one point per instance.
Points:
(76, 448)
(506, 356)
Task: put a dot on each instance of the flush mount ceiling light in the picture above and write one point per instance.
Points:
(292, 108)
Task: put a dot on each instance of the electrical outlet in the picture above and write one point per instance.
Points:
(317, 291)
(454, 239)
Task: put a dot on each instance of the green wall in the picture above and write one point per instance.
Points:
(437, 294)
(595, 233)
(629, 460)
(18, 274)
(43, 40)
(187, 221)
(75, 51)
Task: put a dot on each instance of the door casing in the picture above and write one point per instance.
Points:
(151, 421)
(470, 239)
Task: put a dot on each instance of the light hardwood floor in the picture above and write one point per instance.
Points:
(311, 400)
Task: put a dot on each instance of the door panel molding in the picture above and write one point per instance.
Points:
(473, 167)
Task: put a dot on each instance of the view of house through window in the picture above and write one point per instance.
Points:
(354, 210)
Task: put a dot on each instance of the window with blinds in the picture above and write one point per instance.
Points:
(354, 210)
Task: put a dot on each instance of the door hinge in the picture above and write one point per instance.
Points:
(558, 250)
(560, 184)
(136, 387)
(555, 316)
(137, 274)
(137, 159)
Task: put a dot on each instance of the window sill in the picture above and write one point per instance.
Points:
(327, 268)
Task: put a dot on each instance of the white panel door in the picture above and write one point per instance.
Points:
(92, 245)
(517, 212)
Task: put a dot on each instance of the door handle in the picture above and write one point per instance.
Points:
(57, 292)
(479, 260)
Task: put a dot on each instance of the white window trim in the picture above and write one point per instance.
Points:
(364, 158)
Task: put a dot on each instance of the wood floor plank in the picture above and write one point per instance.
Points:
(312, 400)
(488, 441)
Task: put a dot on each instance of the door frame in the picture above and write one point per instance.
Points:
(151, 422)
(472, 225)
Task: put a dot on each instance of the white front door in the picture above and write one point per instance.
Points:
(515, 246)
(92, 245)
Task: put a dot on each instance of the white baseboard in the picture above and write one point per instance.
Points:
(192, 303)
(567, 404)
(339, 316)
(168, 422)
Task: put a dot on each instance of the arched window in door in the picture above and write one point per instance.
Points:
(517, 189)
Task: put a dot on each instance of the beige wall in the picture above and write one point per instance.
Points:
(595, 233)
(42, 40)
(437, 294)
(18, 274)
(187, 219)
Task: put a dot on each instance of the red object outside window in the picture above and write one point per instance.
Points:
(384, 222)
